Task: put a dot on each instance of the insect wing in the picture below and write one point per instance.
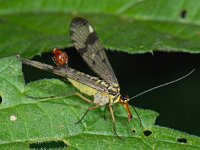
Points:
(88, 45)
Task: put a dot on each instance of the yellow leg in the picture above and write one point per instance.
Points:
(51, 97)
(83, 97)
(113, 119)
(90, 108)
(112, 113)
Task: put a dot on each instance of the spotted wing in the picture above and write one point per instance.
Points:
(90, 48)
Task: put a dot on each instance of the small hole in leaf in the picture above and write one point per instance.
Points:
(48, 145)
(183, 14)
(147, 133)
(182, 140)
(133, 130)
(0, 99)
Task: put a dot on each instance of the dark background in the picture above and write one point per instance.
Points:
(178, 104)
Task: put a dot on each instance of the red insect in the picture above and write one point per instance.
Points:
(60, 58)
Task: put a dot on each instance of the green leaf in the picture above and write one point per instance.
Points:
(133, 26)
(27, 122)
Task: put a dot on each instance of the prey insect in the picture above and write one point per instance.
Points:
(105, 91)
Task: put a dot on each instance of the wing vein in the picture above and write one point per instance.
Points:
(90, 48)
